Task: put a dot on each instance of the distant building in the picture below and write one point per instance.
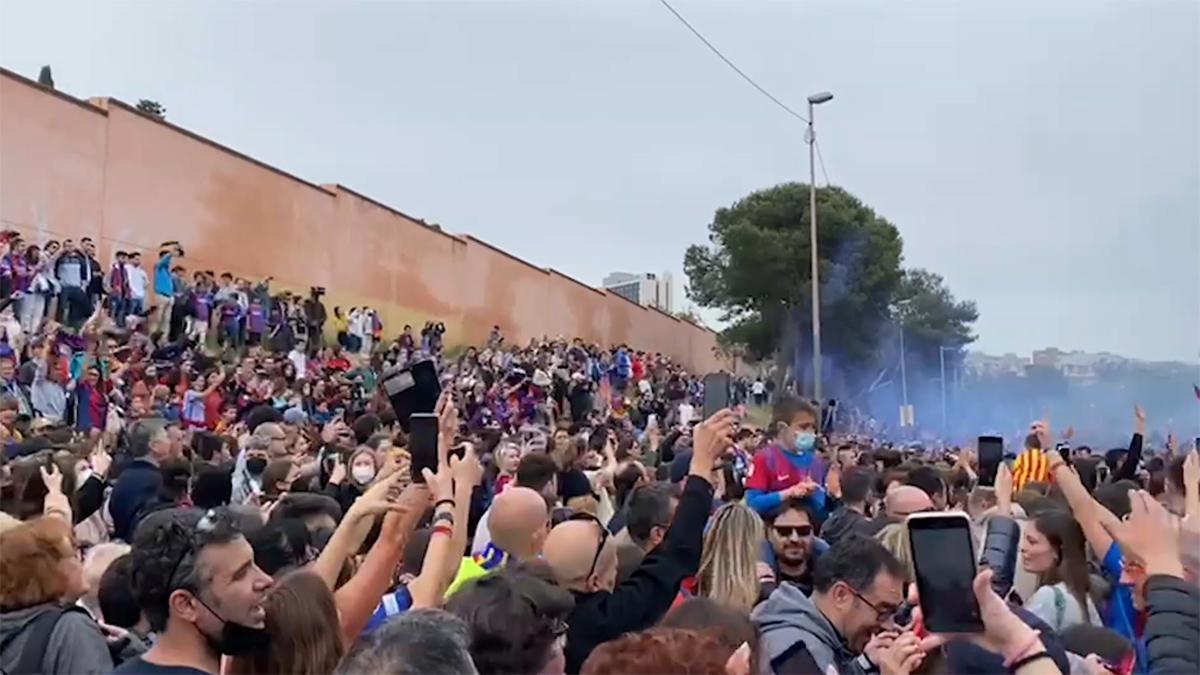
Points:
(650, 290)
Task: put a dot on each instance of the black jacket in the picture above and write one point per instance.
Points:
(640, 601)
(1172, 626)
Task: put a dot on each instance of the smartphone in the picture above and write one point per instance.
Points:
(422, 444)
(1064, 451)
(716, 394)
(943, 554)
(412, 390)
(991, 453)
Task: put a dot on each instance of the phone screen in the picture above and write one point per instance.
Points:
(991, 453)
(944, 560)
(716, 393)
(422, 444)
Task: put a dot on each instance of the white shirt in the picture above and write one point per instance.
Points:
(1044, 605)
(301, 362)
(686, 412)
(137, 281)
(759, 388)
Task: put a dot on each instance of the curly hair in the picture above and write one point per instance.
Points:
(30, 557)
(660, 650)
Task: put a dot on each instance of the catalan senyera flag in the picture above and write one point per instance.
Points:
(1031, 466)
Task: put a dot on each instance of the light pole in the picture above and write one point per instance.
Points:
(901, 309)
(942, 360)
(814, 100)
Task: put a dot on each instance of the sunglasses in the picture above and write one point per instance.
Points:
(786, 531)
(604, 534)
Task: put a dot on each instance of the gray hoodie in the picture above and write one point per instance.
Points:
(76, 643)
(789, 617)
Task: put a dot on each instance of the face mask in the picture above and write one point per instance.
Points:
(362, 474)
(256, 465)
(805, 441)
(236, 639)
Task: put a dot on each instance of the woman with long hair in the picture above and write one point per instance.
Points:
(1052, 547)
(729, 564)
(302, 620)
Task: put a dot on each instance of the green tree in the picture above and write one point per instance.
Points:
(152, 108)
(933, 320)
(756, 270)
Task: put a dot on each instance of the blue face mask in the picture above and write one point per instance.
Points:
(805, 441)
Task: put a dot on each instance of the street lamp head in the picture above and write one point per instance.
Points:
(820, 97)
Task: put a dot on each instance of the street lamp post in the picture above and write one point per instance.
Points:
(814, 100)
(942, 360)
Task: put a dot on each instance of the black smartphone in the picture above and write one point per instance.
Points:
(1064, 451)
(716, 394)
(943, 554)
(422, 444)
(412, 390)
(991, 453)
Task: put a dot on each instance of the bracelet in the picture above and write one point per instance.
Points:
(444, 501)
(1016, 655)
(1038, 656)
(442, 529)
(443, 515)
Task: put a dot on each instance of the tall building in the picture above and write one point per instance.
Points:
(649, 289)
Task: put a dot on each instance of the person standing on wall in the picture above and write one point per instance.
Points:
(74, 276)
(164, 284)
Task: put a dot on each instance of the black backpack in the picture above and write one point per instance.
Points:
(40, 629)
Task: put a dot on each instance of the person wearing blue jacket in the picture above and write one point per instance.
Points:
(138, 483)
(164, 285)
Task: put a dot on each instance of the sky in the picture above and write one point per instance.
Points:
(1042, 155)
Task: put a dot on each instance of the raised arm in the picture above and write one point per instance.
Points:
(353, 529)
(1091, 514)
(357, 599)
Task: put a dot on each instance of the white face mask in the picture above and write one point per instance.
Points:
(362, 474)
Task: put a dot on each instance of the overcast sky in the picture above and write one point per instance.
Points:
(1044, 156)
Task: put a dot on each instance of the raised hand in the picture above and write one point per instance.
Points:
(1149, 536)
(710, 439)
(376, 500)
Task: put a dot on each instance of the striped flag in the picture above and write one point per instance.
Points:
(1031, 466)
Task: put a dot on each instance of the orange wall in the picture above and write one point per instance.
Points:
(70, 168)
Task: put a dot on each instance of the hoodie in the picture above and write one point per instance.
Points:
(789, 619)
(76, 644)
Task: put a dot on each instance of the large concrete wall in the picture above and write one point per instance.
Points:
(71, 168)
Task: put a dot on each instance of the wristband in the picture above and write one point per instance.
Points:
(442, 529)
(1038, 656)
(1016, 655)
(444, 501)
(443, 515)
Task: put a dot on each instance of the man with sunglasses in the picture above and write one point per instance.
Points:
(790, 532)
(583, 557)
(857, 588)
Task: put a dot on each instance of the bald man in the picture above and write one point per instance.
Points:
(583, 557)
(900, 502)
(905, 500)
(518, 521)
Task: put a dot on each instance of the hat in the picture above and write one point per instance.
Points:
(295, 417)
(541, 379)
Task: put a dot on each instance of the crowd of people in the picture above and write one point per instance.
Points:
(195, 480)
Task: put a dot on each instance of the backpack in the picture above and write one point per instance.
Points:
(1060, 607)
(34, 650)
